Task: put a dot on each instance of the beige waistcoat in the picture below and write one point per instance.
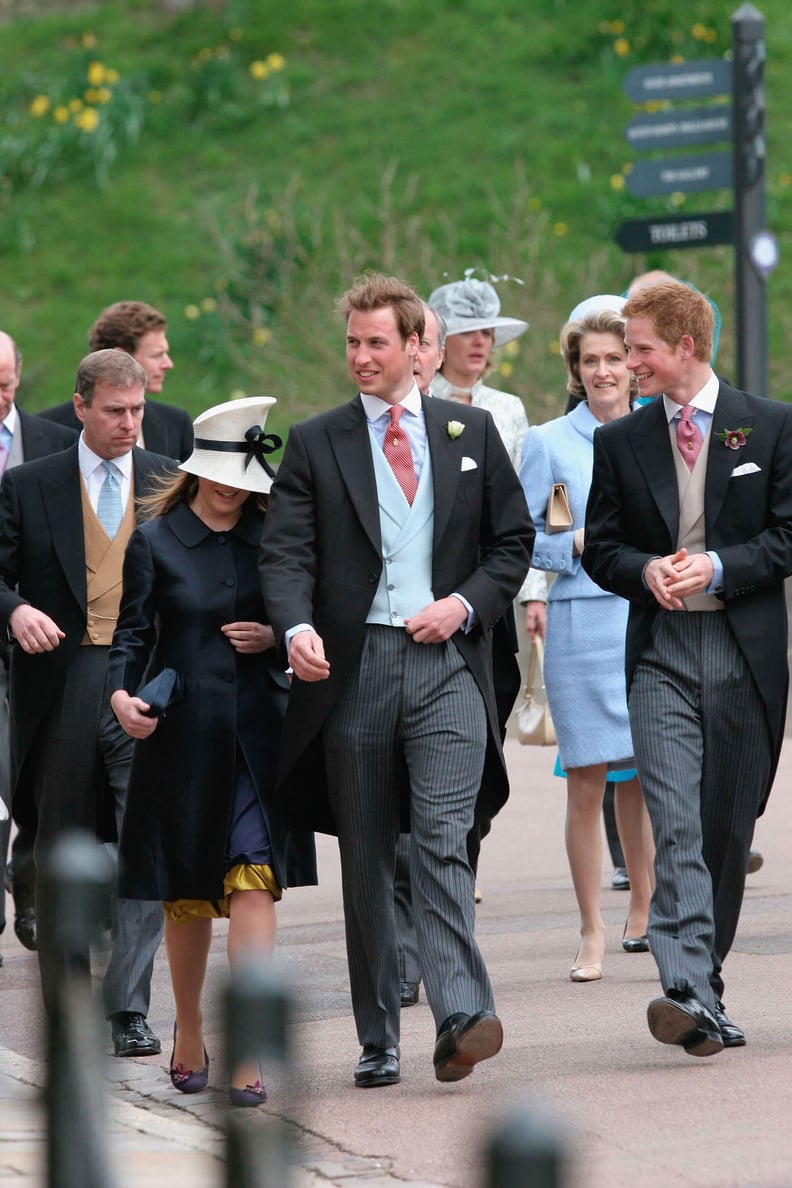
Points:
(692, 531)
(104, 560)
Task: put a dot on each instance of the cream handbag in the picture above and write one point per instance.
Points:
(534, 724)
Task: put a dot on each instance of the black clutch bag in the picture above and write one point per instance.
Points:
(161, 692)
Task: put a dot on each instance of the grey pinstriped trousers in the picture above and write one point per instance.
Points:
(703, 750)
(414, 704)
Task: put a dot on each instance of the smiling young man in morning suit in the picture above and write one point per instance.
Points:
(690, 518)
(397, 534)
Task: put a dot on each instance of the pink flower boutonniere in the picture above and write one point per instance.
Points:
(734, 438)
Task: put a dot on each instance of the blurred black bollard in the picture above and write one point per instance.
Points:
(529, 1149)
(72, 897)
(258, 1012)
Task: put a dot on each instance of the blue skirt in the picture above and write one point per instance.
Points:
(584, 679)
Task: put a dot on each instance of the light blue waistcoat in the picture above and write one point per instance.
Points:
(405, 585)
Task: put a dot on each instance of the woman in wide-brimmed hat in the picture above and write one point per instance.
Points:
(199, 830)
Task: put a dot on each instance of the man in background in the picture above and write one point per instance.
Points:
(23, 437)
(140, 330)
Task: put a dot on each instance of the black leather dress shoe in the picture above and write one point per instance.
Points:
(377, 1066)
(685, 1021)
(409, 993)
(464, 1040)
(132, 1035)
(732, 1035)
(25, 928)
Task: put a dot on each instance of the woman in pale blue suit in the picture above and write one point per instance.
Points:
(584, 658)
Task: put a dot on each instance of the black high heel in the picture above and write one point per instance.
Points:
(634, 944)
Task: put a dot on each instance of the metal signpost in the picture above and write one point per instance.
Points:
(742, 168)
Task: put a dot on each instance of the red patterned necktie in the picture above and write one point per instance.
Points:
(688, 435)
(397, 451)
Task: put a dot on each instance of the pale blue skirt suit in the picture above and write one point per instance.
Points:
(584, 649)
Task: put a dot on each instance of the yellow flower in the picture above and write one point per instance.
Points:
(621, 47)
(512, 349)
(276, 61)
(617, 27)
(75, 105)
(204, 55)
(96, 74)
(677, 59)
(505, 368)
(617, 181)
(192, 312)
(221, 53)
(155, 96)
(677, 198)
(238, 394)
(90, 95)
(711, 35)
(785, 179)
(261, 335)
(104, 95)
(554, 346)
(112, 77)
(534, 204)
(560, 229)
(61, 114)
(699, 31)
(627, 167)
(40, 106)
(89, 41)
(235, 34)
(208, 305)
(259, 69)
(87, 120)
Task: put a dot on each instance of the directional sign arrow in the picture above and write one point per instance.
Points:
(676, 231)
(680, 128)
(670, 175)
(683, 80)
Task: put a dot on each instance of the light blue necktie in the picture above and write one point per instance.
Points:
(108, 509)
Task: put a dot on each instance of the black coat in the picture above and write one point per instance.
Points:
(182, 582)
(633, 515)
(167, 430)
(42, 561)
(322, 557)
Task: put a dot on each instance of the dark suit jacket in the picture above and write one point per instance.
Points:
(42, 553)
(633, 515)
(167, 430)
(322, 556)
(40, 437)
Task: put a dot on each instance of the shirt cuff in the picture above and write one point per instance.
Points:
(289, 635)
(716, 585)
(472, 617)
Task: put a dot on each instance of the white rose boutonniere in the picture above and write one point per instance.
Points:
(455, 429)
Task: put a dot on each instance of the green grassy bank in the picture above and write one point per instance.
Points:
(237, 163)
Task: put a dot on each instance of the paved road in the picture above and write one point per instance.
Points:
(636, 1113)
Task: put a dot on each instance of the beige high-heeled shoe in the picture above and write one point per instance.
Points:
(591, 972)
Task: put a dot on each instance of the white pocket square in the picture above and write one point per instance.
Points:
(468, 464)
(746, 468)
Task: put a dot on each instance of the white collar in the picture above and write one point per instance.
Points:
(705, 399)
(11, 420)
(89, 461)
(375, 408)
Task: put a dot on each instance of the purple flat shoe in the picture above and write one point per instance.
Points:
(251, 1095)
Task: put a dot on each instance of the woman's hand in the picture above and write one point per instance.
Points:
(249, 637)
(129, 711)
(535, 620)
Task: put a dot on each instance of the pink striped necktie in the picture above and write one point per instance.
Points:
(397, 451)
(688, 435)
